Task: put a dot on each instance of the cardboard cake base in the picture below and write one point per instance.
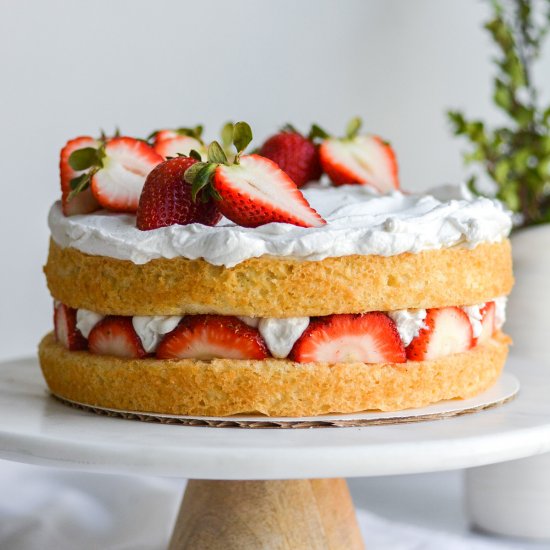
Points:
(505, 389)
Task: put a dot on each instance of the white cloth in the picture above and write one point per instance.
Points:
(51, 508)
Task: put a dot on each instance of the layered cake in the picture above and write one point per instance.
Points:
(297, 281)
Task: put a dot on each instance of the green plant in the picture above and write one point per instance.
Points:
(516, 156)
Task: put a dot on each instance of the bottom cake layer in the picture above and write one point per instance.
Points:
(273, 387)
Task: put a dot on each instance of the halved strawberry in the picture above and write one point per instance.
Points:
(125, 163)
(367, 160)
(488, 322)
(84, 202)
(365, 338)
(168, 133)
(296, 154)
(115, 335)
(212, 336)
(161, 135)
(166, 198)
(253, 190)
(256, 191)
(179, 145)
(66, 333)
(448, 330)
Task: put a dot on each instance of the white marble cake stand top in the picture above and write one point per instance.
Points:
(37, 429)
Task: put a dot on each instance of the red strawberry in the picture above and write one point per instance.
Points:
(488, 322)
(166, 198)
(161, 135)
(297, 155)
(448, 331)
(115, 335)
(84, 202)
(212, 336)
(367, 160)
(364, 159)
(178, 145)
(66, 333)
(253, 190)
(366, 338)
(125, 164)
(256, 191)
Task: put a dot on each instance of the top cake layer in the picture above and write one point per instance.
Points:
(359, 222)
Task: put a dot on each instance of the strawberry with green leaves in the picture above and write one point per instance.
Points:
(166, 198)
(115, 171)
(295, 153)
(362, 159)
(83, 202)
(180, 141)
(252, 190)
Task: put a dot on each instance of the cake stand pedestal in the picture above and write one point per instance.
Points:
(298, 504)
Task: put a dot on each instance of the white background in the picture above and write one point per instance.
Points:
(72, 67)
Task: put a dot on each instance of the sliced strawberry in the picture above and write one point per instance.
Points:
(448, 330)
(212, 336)
(161, 135)
(178, 145)
(366, 160)
(84, 202)
(256, 191)
(366, 338)
(251, 190)
(117, 184)
(296, 154)
(488, 322)
(166, 198)
(66, 333)
(115, 335)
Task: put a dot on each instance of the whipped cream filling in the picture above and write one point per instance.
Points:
(360, 221)
(151, 329)
(475, 316)
(280, 334)
(86, 320)
(409, 322)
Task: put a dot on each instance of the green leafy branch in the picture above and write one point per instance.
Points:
(516, 157)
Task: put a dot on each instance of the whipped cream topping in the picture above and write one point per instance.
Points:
(359, 222)
(151, 329)
(409, 322)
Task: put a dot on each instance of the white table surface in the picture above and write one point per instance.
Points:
(35, 428)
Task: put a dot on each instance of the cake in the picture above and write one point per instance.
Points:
(194, 281)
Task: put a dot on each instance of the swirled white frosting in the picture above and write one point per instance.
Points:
(359, 222)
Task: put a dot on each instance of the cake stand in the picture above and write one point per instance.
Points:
(302, 501)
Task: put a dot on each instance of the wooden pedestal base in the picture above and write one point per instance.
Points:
(304, 514)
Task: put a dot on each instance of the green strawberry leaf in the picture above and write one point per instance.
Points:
(202, 179)
(79, 184)
(317, 132)
(195, 155)
(216, 153)
(195, 132)
(227, 135)
(289, 128)
(353, 127)
(84, 158)
(242, 136)
(192, 171)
